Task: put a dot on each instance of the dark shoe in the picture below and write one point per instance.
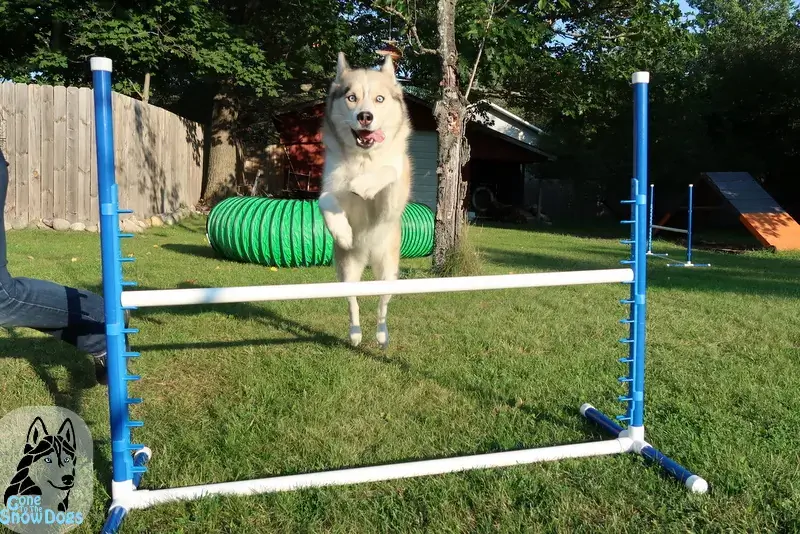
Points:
(101, 368)
(101, 358)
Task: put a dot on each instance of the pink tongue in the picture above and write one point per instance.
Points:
(377, 136)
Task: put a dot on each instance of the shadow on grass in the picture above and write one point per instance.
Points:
(734, 240)
(222, 344)
(45, 355)
(308, 334)
(603, 229)
(194, 250)
(243, 311)
(773, 276)
(208, 252)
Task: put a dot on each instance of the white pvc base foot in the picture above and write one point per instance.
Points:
(697, 484)
(148, 498)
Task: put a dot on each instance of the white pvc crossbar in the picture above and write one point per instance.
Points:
(182, 297)
(147, 498)
(671, 229)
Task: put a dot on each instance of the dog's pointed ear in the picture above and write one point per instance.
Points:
(388, 67)
(341, 65)
(67, 431)
(36, 432)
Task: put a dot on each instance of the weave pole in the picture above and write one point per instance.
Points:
(129, 459)
(687, 232)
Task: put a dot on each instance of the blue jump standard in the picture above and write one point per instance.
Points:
(129, 459)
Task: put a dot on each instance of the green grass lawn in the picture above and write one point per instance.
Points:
(252, 390)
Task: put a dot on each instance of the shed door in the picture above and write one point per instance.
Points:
(424, 148)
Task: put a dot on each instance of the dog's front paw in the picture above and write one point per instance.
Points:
(340, 229)
(382, 336)
(355, 335)
(344, 237)
(366, 186)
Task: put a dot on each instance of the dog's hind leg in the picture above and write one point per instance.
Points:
(349, 268)
(385, 266)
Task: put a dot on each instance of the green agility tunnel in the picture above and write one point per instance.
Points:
(292, 233)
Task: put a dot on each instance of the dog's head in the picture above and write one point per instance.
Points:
(365, 107)
(51, 458)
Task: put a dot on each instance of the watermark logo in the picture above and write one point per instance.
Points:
(46, 475)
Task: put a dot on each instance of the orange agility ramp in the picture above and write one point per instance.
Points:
(758, 211)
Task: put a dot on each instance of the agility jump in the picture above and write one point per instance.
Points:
(687, 231)
(129, 459)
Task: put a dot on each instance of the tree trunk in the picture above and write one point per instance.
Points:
(225, 160)
(146, 90)
(449, 112)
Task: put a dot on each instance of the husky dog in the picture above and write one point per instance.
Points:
(366, 178)
(47, 467)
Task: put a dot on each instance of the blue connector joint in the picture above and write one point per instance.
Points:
(119, 446)
(107, 209)
(641, 200)
(640, 299)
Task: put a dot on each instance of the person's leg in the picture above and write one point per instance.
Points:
(72, 315)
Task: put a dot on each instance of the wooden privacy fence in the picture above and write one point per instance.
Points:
(47, 135)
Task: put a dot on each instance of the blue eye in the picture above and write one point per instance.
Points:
(379, 99)
(48, 460)
(351, 98)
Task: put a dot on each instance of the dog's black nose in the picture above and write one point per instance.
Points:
(364, 118)
(67, 480)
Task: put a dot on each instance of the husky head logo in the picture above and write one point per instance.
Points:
(365, 108)
(47, 467)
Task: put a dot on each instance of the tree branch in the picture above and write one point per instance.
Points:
(579, 36)
(412, 29)
(480, 49)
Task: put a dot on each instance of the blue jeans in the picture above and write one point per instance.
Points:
(72, 315)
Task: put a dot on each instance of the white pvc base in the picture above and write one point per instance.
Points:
(697, 484)
(183, 297)
(138, 499)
